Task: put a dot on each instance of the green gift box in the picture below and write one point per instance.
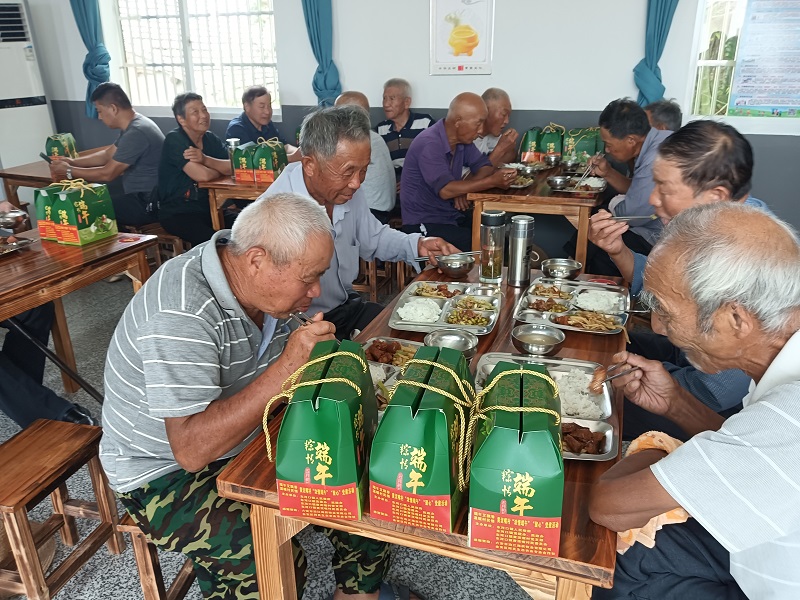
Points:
(43, 199)
(551, 140)
(581, 143)
(269, 159)
(529, 146)
(517, 472)
(323, 443)
(417, 466)
(242, 162)
(61, 144)
(83, 213)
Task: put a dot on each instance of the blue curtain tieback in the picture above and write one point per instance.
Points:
(648, 81)
(95, 66)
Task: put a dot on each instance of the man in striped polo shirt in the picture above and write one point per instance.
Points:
(193, 362)
(729, 301)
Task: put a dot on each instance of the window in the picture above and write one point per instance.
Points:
(722, 24)
(216, 48)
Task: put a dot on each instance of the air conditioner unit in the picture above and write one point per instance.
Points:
(25, 117)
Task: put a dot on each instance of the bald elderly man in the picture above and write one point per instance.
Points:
(379, 184)
(431, 189)
(730, 301)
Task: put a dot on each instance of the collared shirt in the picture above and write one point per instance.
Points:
(430, 165)
(398, 142)
(637, 199)
(139, 147)
(242, 127)
(183, 342)
(379, 185)
(742, 483)
(356, 234)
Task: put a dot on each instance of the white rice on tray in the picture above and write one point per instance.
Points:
(599, 301)
(420, 310)
(573, 388)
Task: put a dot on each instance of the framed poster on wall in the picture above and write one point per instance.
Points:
(462, 34)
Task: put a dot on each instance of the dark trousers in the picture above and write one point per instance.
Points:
(131, 210)
(598, 262)
(194, 228)
(686, 562)
(22, 396)
(460, 234)
(356, 313)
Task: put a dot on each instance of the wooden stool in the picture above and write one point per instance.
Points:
(169, 246)
(372, 279)
(149, 566)
(37, 462)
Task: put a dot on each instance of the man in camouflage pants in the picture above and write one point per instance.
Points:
(199, 351)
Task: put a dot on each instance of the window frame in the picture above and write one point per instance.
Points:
(112, 32)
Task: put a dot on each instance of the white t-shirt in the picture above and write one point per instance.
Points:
(485, 144)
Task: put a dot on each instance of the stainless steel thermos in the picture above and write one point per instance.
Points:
(520, 245)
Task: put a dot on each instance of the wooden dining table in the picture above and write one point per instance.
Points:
(587, 550)
(540, 199)
(225, 188)
(47, 271)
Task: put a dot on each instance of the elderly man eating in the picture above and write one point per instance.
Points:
(196, 356)
(729, 300)
(335, 144)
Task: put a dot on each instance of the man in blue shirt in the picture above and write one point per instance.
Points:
(256, 121)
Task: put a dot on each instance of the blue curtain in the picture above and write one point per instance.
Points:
(319, 23)
(647, 74)
(95, 66)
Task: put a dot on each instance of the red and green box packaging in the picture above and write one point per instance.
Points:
(581, 143)
(416, 469)
(529, 146)
(517, 472)
(43, 201)
(61, 144)
(83, 213)
(242, 163)
(323, 443)
(269, 159)
(551, 141)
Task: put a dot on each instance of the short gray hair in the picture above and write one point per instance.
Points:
(720, 267)
(494, 94)
(402, 84)
(281, 224)
(323, 129)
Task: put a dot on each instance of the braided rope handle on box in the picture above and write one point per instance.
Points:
(74, 184)
(272, 142)
(552, 127)
(465, 402)
(290, 386)
(479, 412)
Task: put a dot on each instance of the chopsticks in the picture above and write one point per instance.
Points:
(301, 317)
(457, 254)
(587, 171)
(601, 375)
(647, 217)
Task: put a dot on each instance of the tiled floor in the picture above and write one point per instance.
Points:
(92, 314)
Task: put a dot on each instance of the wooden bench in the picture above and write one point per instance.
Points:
(37, 462)
(149, 566)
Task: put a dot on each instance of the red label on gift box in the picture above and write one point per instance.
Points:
(404, 508)
(317, 501)
(526, 535)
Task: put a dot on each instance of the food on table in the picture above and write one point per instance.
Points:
(390, 352)
(474, 303)
(573, 389)
(598, 301)
(379, 377)
(550, 292)
(590, 321)
(420, 310)
(522, 181)
(437, 291)
(589, 184)
(514, 166)
(465, 316)
(598, 377)
(582, 440)
(548, 305)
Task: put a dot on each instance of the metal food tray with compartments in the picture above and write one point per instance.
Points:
(490, 293)
(384, 373)
(20, 244)
(558, 367)
(525, 314)
(594, 190)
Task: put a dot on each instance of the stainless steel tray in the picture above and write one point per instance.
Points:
(370, 341)
(447, 305)
(20, 244)
(572, 190)
(611, 443)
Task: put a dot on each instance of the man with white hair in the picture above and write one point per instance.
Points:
(729, 301)
(199, 351)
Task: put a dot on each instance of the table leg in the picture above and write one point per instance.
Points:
(569, 589)
(272, 543)
(477, 208)
(217, 220)
(140, 272)
(583, 235)
(63, 345)
(11, 192)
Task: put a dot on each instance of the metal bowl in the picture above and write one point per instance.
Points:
(12, 217)
(558, 182)
(535, 338)
(528, 170)
(552, 159)
(570, 164)
(457, 339)
(561, 268)
(456, 266)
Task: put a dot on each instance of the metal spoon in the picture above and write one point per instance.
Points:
(456, 255)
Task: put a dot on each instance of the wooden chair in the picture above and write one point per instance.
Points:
(37, 462)
(373, 280)
(149, 566)
(169, 246)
